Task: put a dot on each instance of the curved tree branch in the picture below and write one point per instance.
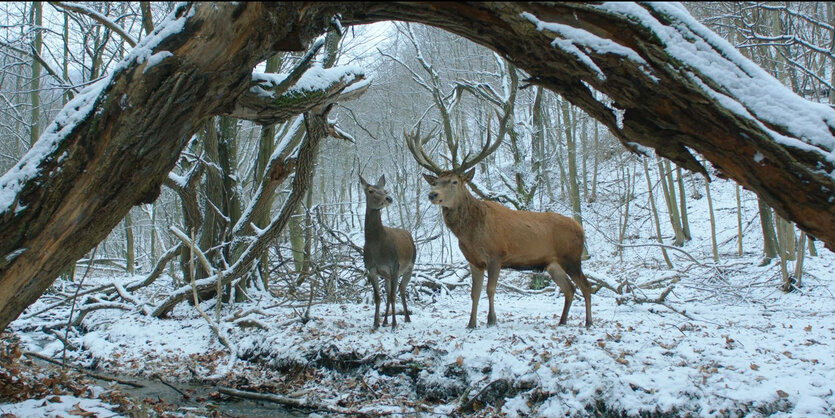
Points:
(113, 145)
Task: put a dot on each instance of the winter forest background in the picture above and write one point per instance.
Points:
(707, 302)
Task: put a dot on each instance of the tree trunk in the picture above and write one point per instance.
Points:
(129, 128)
(316, 128)
(682, 200)
(570, 126)
(627, 198)
(769, 238)
(655, 215)
(713, 245)
(266, 146)
(36, 19)
(593, 196)
(738, 222)
(830, 7)
(147, 18)
(798, 265)
(130, 250)
(668, 187)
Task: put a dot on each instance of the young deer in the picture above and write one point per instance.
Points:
(388, 252)
(493, 237)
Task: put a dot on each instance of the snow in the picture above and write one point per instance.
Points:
(565, 44)
(735, 345)
(737, 78)
(12, 182)
(717, 67)
(58, 406)
(315, 78)
(156, 59)
(144, 50)
(29, 166)
(177, 179)
(738, 347)
(572, 37)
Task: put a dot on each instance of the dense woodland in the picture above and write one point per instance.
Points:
(240, 244)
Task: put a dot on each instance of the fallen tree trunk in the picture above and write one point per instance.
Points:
(670, 86)
(111, 147)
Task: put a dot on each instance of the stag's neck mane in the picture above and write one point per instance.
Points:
(466, 216)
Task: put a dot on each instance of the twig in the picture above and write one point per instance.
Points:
(669, 247)
(202, 257)
(72, 308)
(107, 288)
(660, 300)
(161, 380)
(286, 400)
(83, 370)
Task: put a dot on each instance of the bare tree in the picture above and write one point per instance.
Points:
(672, 108)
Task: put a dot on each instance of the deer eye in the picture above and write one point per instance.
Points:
(455, 182)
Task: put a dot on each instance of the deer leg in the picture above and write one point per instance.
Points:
(392, 297)
(561, 278)
(403, 284)
(581, 282)
(386, 295)
(478, 281)
(492, 280)
(376, 286)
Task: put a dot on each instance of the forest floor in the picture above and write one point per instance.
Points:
(723, 341)
(720, 343)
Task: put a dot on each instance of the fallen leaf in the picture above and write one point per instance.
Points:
(754, 366)
(76, 410)
(807, 328)
(459, 361)
(782, 394)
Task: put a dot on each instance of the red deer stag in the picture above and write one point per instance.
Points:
(492, 236)
(388, 252)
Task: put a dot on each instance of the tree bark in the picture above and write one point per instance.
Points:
(116, 156)
(673, 115)
(36, 20)
(129, 134)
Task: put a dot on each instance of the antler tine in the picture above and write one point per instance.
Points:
(486, 149)
(415, 144)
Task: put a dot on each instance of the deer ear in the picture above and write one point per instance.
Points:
(362, 181)
(430, 179)
(382, 181)
(468, 176)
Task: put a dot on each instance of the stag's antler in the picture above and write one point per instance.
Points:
(486, 149)
(415, 144)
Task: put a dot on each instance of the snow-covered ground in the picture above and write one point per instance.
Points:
(724, 342)
(59, 406)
